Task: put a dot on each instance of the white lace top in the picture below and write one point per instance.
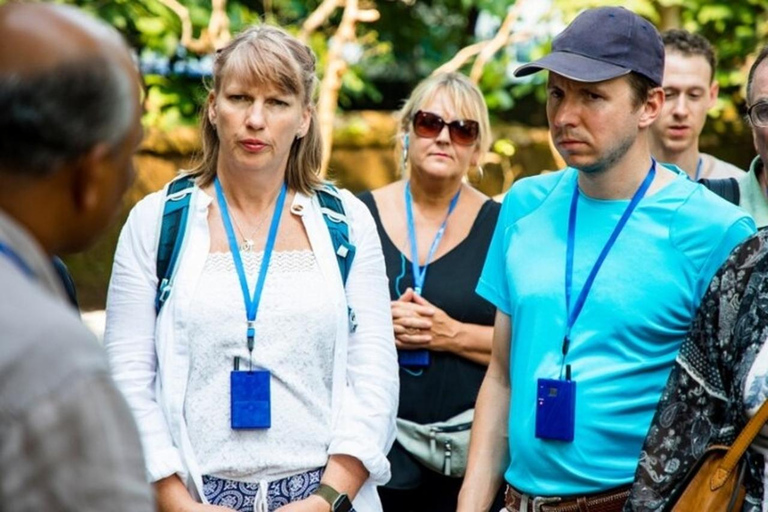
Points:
(295, 333)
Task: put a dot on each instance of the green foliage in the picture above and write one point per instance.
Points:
(411, 39)
(504, 147)
(498, 96)
(171, 102)
(495, 7)
(153, 29)
(423, 35)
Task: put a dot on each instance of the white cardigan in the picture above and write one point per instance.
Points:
(150, 360)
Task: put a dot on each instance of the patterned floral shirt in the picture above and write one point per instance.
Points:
(703, 403)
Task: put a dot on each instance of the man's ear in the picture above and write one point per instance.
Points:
(88, 175)
(714, 90)
(651, 109)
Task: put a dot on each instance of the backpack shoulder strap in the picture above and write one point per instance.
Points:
(335, 217)
(727, 188)
(172, 229)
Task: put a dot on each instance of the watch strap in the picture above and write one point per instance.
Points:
(339, 502)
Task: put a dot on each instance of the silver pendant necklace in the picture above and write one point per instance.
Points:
(247, 244)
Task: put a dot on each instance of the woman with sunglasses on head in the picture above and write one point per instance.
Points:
(435, 230)
(264, 379)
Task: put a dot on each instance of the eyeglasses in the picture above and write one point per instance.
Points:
(758, 114)
(463, 132)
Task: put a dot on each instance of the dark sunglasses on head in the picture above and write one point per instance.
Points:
(463, 132)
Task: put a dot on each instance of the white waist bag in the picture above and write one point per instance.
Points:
(442, 446)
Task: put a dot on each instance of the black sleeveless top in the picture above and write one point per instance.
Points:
(449, 385)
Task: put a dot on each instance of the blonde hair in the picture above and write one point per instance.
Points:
(266, 56)
(463, 94)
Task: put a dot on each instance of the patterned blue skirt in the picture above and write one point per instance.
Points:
(242, 496)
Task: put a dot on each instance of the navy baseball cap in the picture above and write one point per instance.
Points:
(601, 44)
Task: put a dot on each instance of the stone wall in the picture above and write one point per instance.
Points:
(363, 159)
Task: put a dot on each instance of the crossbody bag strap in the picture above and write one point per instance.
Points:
(740, 445)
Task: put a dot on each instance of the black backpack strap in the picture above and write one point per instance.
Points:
(172, 229)
(727, 188)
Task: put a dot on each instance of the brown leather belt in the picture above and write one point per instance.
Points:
(610, 501)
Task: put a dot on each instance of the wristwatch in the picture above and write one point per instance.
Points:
(339, 501)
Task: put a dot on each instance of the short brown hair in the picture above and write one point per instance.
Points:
(688, 44)
(268, 56)
(751, 79)
(641, 87)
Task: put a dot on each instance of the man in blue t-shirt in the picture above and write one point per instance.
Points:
(596, 271)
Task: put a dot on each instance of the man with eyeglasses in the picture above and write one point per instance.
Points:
(753, 186)
(596, 272)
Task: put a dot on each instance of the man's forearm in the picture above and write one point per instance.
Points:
(488, 453)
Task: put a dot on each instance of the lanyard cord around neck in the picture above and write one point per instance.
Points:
(698, 169)
(573, 314)
(251, 303)
(14, 257)
(420, 273)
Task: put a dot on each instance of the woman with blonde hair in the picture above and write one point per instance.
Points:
(261, 373)
(435, 230)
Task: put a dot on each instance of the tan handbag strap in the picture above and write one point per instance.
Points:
(740, 445)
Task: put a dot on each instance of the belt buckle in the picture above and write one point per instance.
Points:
(540, 501)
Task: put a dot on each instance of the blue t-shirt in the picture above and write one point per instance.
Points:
(624, 342)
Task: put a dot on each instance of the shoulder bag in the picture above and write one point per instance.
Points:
(716, 482)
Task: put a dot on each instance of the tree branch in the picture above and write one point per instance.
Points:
(485, 50)
(334, 71)
(499, 41)
(368, 15)
(216, 35)
(460, 58)
(318, 17)
(183, 14)
(218, 25)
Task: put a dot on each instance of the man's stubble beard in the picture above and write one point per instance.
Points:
(610, 159)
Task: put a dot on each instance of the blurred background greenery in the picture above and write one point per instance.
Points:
(386, 50)
(409, 40)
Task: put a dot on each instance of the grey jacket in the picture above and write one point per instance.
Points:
(67, 439)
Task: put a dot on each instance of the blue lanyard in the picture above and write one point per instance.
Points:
(251, 304)
(698, 170)
(16, 259)
(420, 273)
(582, 298)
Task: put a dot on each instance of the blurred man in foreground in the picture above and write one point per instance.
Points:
(69, 97)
